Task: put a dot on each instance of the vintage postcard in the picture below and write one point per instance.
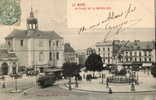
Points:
(77, 49)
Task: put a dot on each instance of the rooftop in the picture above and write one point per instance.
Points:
(141, 45)
(52, 35)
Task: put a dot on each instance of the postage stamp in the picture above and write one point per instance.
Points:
(10, 12)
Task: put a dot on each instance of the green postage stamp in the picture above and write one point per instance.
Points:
(10, 12)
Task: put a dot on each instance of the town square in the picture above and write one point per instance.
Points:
(59, 50)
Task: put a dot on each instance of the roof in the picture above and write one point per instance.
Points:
(5, 54)
(68, 48)
(140, 45)
(52, 35)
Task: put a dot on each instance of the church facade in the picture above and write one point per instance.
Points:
(36, 48)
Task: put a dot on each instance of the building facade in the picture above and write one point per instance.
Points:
(70, 55)
(105, 50)
(140, 53)
(8, 62)
(108, 51)
(34, 47)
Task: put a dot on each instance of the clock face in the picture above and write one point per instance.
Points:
(10, 12)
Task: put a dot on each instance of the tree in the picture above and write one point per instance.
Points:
(70, 69)
(153, 71)
(94, 63)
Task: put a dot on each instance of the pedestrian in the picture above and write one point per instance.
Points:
(25, 93)
(132, 87)
(107, 82)
(83, 76)
(110, 91)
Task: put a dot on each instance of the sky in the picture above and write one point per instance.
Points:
(58, 15)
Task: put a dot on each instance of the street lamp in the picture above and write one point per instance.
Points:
(3, 85)
(15, 75)
(69, 83)
(76, 79)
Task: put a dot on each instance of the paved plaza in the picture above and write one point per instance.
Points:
(93, 90)
(146, 84)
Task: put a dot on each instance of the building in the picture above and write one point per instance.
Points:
(70, 54)
(81, 56)
(90, 51)
(140, 53)
(36, 48)
(8, 62)
(108, 50)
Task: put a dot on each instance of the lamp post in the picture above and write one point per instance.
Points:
(15, 76)
(3, 85)
(102, 77)
(76, 79)
(69, 83)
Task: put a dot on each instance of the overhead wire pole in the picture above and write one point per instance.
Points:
(155, 24)
(155, 17)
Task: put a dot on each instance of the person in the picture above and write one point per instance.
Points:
(132, 87)
(110, 91)
(107, 82)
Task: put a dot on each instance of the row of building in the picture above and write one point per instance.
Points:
(33, 48)
(127, 53)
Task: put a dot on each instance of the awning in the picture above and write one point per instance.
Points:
(147, 64)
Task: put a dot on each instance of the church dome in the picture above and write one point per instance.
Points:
(32, 22)
(32, 19)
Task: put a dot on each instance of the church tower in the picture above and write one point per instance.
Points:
(32, 22)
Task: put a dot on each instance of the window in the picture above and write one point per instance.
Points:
(126, 53)
(103, 60)
(135, 59)
(140, 53)
(108, 49)
(108, 55)
(9, 44)
(145, 59)
(103, 49)
(103, 54)
(140, 59)
(40, 43)
(149, 59)
(57, 43)
(21, 42)
(149, 53)
(126, 59)
(41, 56)
(57, 56)
(135, 53)
(99, 49)
(49, 43)
(50, 56)
(145, 53)
(108, 60)
(130, 53)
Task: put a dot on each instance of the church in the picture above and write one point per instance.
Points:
(35, 48)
